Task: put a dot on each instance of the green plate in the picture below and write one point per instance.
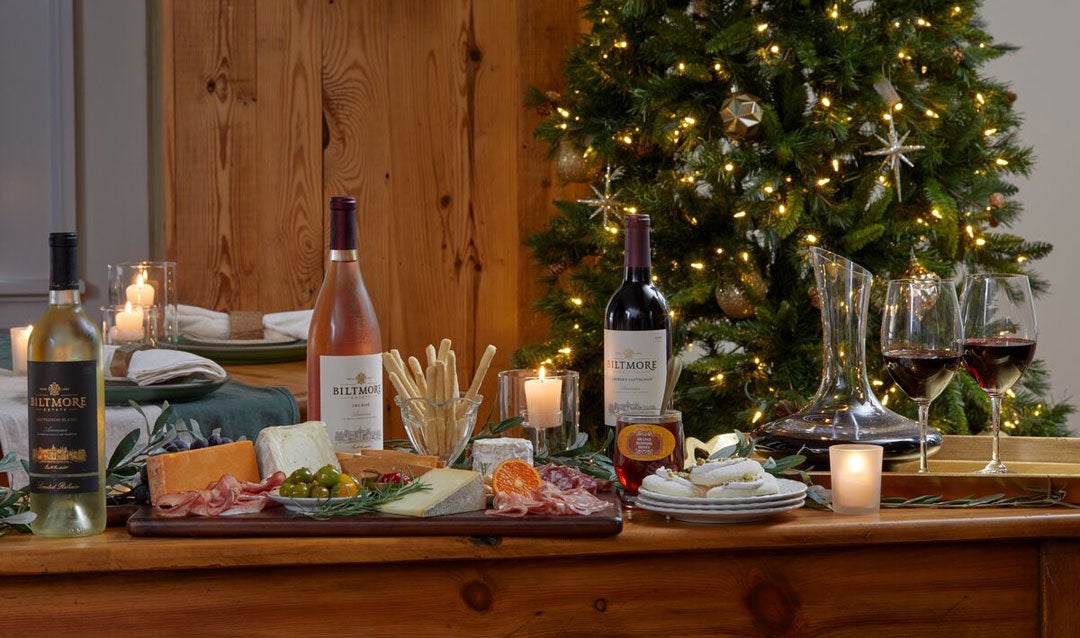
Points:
(262, 353)
(120, 392)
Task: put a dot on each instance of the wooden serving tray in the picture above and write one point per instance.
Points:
(1036, 463)
(278, 521)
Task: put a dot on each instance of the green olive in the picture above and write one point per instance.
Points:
(302, 475)
(320, 491)
(327, 476)
(294, 490)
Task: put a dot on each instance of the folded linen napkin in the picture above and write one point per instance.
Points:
(148, 367)
(209, 324)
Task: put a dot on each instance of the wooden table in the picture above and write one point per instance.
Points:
(990, 572)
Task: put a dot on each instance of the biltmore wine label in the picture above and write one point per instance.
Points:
(350, 396)
(635, 370)
(62, 409)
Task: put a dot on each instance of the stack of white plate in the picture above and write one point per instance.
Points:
(738, 509)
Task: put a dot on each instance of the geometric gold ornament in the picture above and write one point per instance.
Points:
(741, 115)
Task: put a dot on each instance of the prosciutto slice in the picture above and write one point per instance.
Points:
(225, 497)
(548, 499)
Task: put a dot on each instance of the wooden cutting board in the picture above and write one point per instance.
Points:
(279, 522)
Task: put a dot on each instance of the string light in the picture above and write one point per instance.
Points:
(931, 114)
(577, 301)
(811, 238)
(921, 22)
(565, 350)
(970, 231)
(682, 66)
(823, 181)
(1020, 259)
(980, 99)
(745, 256)
(980, 242)
(738, 215)
(762, 28)
(936, 213)
(836, 165)
(718, 377)
(729, 167)
(697, 265)
(622, 44)
(719, 251)
(957, 9)
(1001, 161)
(825, 101)
(757, 416)
(990, 132)
(782, 209)
(768, 190)
(834, 13)
(563, 112)
(774, 49)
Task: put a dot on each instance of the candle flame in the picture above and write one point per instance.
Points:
(541, 373)
(139, 280)
(127, 307)
(856, 463)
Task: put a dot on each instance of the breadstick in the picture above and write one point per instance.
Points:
(430, 352)
(418, 373)
(481, 370)
(451, 369)
(392, 364)
(444, 349)
(431, 382)
(402, 391)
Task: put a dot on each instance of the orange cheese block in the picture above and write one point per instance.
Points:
(196, 469)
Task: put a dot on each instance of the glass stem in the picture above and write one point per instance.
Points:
(924, 416)
(995, 424)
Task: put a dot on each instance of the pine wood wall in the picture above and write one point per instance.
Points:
(415, 107)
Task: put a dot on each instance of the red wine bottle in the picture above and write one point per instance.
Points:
(344, 364)
(637, 332)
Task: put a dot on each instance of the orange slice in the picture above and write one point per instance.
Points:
(515, 475)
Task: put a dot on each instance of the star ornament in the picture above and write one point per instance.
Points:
(893, 152)
(605, 201)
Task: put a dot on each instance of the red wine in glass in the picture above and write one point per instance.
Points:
(997, 364)
(922, 374)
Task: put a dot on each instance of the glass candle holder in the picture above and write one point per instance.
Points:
(148, 284)
(126, 325)
(855, 471)
(548, 403)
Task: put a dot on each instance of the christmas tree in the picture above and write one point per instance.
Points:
(750, 130)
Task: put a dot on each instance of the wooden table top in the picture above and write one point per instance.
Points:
(645, 533)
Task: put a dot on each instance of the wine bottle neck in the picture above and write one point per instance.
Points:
(69, 297)
(638, 262)
(342, 225)
(344, 255)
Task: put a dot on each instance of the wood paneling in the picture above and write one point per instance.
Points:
(416, 108)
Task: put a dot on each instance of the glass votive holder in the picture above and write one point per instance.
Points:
(855, 472)
(644, 442)
(547, 401)
(148, 284)
(126, 325)
(439, 429)
(20, 341)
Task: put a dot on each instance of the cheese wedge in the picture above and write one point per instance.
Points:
(452, 492)
(286, 448)
(196, 469)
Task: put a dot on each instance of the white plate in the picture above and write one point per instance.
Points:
(212, 341)
(717, 517)
(788, 489)
(305, 504)
(723, 508)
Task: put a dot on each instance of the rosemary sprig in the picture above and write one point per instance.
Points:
(366, 501)
(14, 504)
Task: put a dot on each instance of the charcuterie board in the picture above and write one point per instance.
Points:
(279, 522)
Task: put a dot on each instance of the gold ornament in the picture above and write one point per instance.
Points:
(741, 115)
(737, 300)
(575, 164)
(917, 271)
(996, 201)
(733, 302)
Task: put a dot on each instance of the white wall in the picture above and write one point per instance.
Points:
(73, 143)
(1043, 75)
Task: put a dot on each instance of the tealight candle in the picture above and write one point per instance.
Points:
(129, 324)
(855, 470)
(543, 397)
(20, 340)
(140, 293)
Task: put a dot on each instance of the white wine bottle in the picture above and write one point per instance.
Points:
(344, 363)
(66, 407)
(637, 332)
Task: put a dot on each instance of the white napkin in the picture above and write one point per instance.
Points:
(210, 324)
(148, 367)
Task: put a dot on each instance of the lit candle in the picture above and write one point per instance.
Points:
(129, 324)
(856, 478)
(543, 397)
(140, 293)
(20, 339)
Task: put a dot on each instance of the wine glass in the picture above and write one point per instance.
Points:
(1000, 333)
(922, 341)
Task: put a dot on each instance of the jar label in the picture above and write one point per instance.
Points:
(62, 403)
(351, 402)
(645, 442)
